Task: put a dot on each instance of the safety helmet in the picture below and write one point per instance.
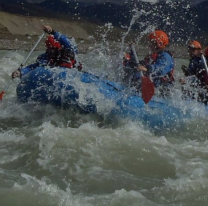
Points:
(194, 45)
(160, 37)
(52, 43)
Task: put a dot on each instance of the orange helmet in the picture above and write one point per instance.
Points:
(160, 37)
(194, 44)
(52, 43)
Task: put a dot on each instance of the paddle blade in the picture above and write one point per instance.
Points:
(148, 89)
(1, 95)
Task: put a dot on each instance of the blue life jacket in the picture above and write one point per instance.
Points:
(161, 70)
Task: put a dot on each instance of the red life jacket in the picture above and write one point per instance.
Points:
(69, 64)
(67, 59)
(151, 59)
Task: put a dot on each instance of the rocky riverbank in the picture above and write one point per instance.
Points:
(21, 32)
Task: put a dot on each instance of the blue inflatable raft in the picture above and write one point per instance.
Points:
(64, 87)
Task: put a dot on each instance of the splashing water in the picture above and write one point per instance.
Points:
(51, 156)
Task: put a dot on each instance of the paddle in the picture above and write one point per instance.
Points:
(9, 83)
(148, 88)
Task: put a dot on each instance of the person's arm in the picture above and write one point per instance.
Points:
(22, 71)
(161, 67)
(67, 43)
(28, 68)
(41, 60)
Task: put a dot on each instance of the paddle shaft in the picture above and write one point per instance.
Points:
(136, 57)
(7, 86)
(9, 83)
(36, 44)
(147, 88)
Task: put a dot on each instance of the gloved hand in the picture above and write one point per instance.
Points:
(16, 73)
(48, 29)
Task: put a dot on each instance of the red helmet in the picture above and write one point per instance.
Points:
(51, 42)
(194, 44)
(160, 37)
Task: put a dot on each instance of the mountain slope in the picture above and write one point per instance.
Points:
(177, 18)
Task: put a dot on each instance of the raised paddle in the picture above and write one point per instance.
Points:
(9, 83)
(148, 88)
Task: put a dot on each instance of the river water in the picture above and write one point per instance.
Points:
(51, 156)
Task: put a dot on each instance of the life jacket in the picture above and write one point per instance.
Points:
(197, 68)
(67, 59)
(70, 64)
(152, 58)
(51, 42)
